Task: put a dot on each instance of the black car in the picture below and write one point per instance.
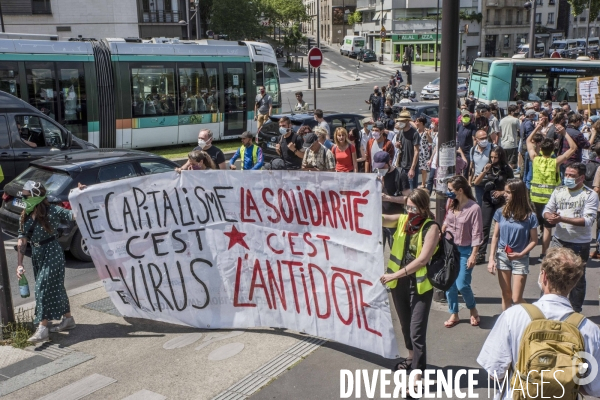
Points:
(416, 109)
(269, 132)
(27, 134)
(62, 172)
(366, 55)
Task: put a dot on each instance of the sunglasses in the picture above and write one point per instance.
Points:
(412, 209)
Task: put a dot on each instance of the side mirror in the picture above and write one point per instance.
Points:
(67, 139)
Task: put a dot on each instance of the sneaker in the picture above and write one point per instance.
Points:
(65, 325)
(517, 171)
(40, 335)
(595, 255)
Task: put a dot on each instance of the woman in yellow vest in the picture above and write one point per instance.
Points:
(415, 241)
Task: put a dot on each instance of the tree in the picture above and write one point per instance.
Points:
(238, 19)
(294, 37)
(355, 18)
(579, 6)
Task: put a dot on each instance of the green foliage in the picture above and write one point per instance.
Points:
(17, 333)
(238, 19)
(294, 37)
(471, 17)
(355, 18)
(579, 6)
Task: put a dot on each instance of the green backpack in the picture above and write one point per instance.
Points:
(549, 346)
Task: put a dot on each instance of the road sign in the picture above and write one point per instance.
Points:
(383, 35)
(315, 57)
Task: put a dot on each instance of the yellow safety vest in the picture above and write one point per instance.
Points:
(545, 179)
(254, 154)
(397, 253)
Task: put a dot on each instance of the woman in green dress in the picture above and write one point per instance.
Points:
(38, 224)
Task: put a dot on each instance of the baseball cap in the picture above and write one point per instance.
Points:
(380, 126)
(528, 105)
(465, 112)
(366, 121)
(530, 112)
(247, 135)
(309, 139)
(380, 159)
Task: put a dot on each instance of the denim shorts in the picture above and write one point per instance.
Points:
(518, 267)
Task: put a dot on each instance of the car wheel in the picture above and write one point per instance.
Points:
(79, 249)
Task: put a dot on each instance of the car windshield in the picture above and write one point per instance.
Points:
(53, 181)
(436, 81)
(558, 45)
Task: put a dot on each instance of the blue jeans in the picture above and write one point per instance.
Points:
(462, 284)
(431, 178)
(479, 191)
(414, 182)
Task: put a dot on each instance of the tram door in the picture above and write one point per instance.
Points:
(236, 104)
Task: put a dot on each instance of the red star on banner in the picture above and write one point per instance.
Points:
(236, 237)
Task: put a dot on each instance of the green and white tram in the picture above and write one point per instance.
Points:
(121, 94)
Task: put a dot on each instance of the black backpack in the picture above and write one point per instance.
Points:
(590, 173)
(444, 266)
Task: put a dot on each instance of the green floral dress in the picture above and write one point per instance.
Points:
(48, 262)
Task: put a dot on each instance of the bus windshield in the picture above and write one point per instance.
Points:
(558, 46)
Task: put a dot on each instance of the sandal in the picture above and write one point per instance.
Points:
(451, 324)
(403, 364)
(477, 320)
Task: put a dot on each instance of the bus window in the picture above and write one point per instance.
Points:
(153, 91)
(271, 83)
(566, 88)
(531, 87)
(198, 89)
(9, 78)
(481, 67)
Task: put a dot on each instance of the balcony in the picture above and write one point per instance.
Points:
(416, 25)
(495, 3)
(162, 16)
(508, 22)
(497, 23)
(513, 3)
(367, 4)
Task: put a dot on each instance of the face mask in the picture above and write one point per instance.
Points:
(540, 282)
(451, 195)
(376, 91)
(369, 127)
(31, 202)
(382, 171)
(396, 130)
(483, 143)
(376, 135)
(201, 143)
(283, 130)
(570, 183)
(466, 120)
(401, 125)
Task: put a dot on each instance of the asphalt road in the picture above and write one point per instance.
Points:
(351, 99)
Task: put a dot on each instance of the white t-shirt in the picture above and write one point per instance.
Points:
(374, 149)
(501, 348)
(582, 203)
(434, 149)
(509, 138)
(324, 124)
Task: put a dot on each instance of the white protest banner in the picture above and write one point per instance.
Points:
(225, 249)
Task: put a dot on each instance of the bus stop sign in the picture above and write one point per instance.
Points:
(315, 57)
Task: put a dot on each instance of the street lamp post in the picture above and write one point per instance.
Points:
(437, 34)
(318, 70)
(587, 36)
(531, 5)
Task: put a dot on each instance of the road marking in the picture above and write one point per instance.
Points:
(182, 341)
(226, 351)
(145, 395)
(81, 388)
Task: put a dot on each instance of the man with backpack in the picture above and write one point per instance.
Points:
(480, 157)
(514, 344)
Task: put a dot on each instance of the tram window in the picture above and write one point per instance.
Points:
(73, 97)
(37, 132)
(9, 78)
(259, 74)
(271, 82)
(41, 84)
(198, 90)
(153, 91)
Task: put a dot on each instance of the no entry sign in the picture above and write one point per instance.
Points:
(315, 57)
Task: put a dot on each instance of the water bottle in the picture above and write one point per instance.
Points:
(23, 284)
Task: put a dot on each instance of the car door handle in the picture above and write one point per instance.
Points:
(26, 154)
(4, 154)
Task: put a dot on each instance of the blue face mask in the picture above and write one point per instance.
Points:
(570, 183)
(282, 130)
(451, 195)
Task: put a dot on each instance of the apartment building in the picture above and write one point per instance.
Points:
(97, 19)
(334, 19)
(414, 23)
(506, 26)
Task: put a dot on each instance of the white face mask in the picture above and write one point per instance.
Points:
(483, 143)
(201, 143)
(396, 130)
(401, 125)
(540, 282)
(382, 171)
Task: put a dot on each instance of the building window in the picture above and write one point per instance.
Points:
(497, 17)
(508, 20)
(519, 17)
(538, 18)
(521, 39)
(551, 2)
(506, 41)
(550, 18)
(539, 2)
(487, 16)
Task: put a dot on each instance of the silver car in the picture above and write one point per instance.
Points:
(432, 89)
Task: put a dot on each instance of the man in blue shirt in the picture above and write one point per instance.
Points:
(250, 154)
